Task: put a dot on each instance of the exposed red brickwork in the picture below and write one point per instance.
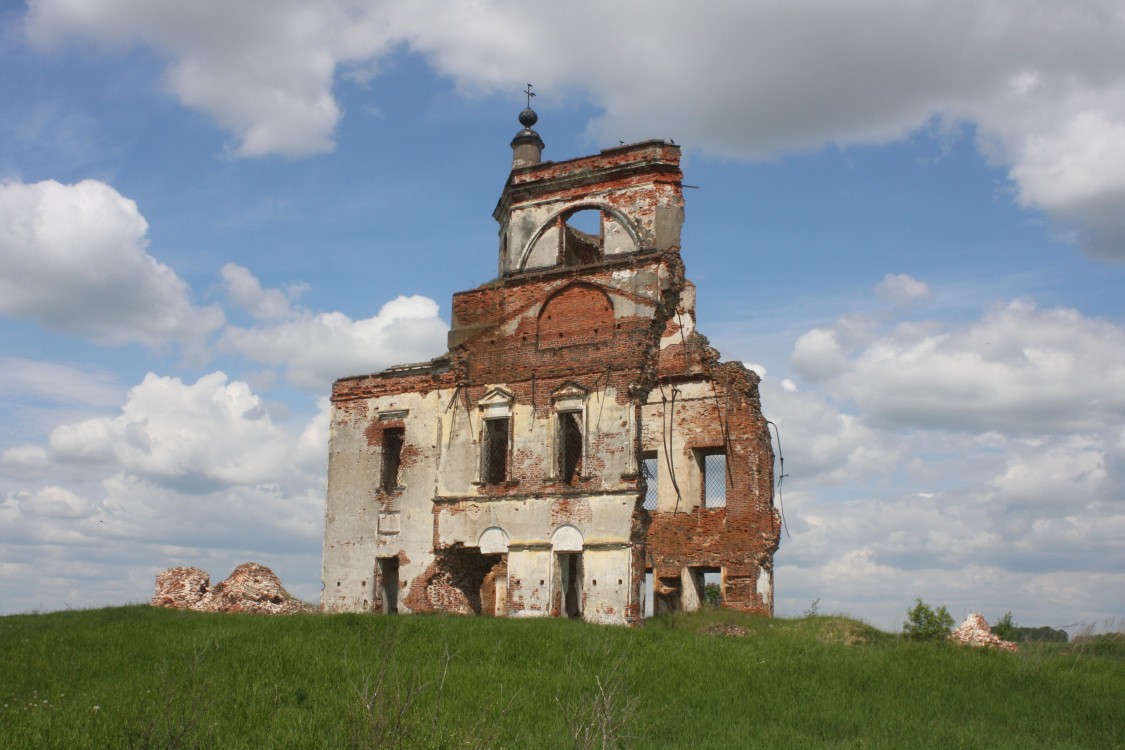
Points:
(492, 355)
(493, 584)
(374, 431)
(570, 510)
(452, 583)
(579, 314)
(413, 379)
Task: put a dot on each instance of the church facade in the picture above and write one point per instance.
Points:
(580, 450)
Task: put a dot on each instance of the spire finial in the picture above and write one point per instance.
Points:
(528, 116)
(527, 146)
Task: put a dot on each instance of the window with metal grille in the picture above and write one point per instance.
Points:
(495, 451)
(393, 438)
(648, 470)
(713, 465)
(570, 445)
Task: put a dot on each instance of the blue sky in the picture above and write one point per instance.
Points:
(908, 218)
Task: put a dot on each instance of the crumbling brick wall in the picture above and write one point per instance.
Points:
(740, 538)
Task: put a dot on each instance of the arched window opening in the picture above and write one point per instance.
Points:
(582, 237)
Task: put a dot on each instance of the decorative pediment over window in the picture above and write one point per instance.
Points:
(497, 402)
(568, 396)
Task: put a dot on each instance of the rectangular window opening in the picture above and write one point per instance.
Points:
(713, 466)
(649, 470)
(495, 451)
(393, 439)
(570, 445)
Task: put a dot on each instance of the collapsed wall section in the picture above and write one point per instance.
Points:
(706, 447)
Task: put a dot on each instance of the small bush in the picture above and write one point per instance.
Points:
(924, 624)
(712, 595)
(1005, 628)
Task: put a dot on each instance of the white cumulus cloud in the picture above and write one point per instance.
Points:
(1019, 369)
(1055, 474)
(185, 474)
(53, 502)
(979, 464)
(817, 355)
(24, 456)
(193, 437)
(246, 291)
(1043, 88)
(74, 258)
(902, 289)
(263, 69)
(316, 349)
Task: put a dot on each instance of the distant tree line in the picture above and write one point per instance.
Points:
(1009, 631)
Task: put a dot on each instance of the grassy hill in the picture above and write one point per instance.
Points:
(141, 677)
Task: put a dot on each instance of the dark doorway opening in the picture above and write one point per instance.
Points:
(570, 571)
(388, 584)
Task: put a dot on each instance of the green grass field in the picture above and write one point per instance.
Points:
(140, 677)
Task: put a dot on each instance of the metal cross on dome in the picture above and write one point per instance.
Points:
(529, 95)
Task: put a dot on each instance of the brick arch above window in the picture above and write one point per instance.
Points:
(578, 314)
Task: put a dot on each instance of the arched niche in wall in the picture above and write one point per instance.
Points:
(577, 314)
(566, 538)
(579, 235)
(493, 541)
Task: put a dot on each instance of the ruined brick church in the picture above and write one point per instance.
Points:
(580, 450)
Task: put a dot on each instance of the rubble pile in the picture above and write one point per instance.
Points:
(181, 588)
(975, 631)
(733, 631)
(250, 588)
